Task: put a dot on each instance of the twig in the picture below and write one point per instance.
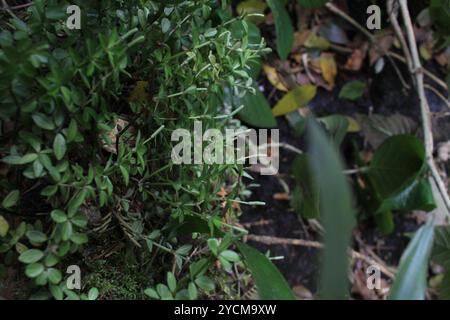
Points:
(437, 93)
(316, 245)
(424, 107)
(370, 36)
(425, 71)
(392, 8)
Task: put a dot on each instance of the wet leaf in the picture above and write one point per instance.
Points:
(411, 279)
(263, 269)
(283, 28)
(274, 78)
(294, 99)
(337, 215)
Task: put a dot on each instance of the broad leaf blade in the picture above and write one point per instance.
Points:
(269, 281)
(411, 280)
(283, 26)
(336, 213)
(257, 111)
(396, 164)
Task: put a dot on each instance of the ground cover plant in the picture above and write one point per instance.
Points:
(358, 210)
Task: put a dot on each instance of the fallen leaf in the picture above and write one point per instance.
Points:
(295, 99)
(353, 125)
(355, 61)
(328, 67)
(300, 38)
(109, 144)
(316, 41)
(139, 93)
(333, 33)
(274, 78)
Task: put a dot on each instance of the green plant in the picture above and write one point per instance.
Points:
(86, 120)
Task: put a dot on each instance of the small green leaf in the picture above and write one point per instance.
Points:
(31, 256)
(54, 275)
(283, 28)
(205, 283)
(352, 90)
(337, 127)
(93, 294)
(58, 216)
(151, 293)
(4, 227)
(171, 282)
(33, 270)
(230, 255)
(295, 99)
(11, 199)
(36, 236)
(411, 280)
(59, 146)
(263, 270)
(66, 230)
(43, 121)
(79, 238)
(20, 160)
(192, 291)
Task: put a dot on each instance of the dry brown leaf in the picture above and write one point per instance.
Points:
(355, 61)
(328, 67)
(274, 78)
(300, 38)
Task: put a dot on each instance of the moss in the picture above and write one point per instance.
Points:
(117, 280)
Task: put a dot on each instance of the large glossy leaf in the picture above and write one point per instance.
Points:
(396, 164)
(411, 279)
(418, 196)
(295, 99)
(269, 281)
(257, 111)
(308, 194)
(336, 213)
(283, 28)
